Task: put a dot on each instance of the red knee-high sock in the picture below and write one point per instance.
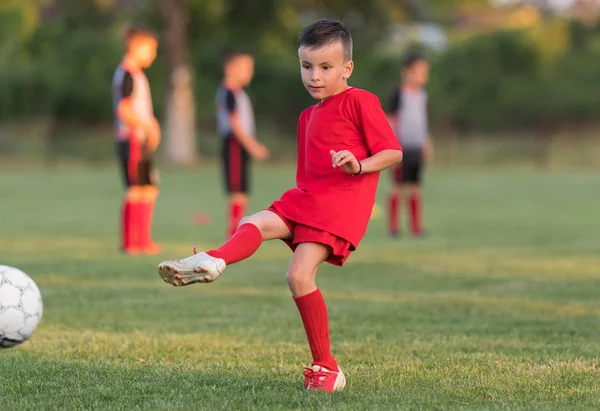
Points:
(415, 214)
(242, 244)
(136, 224)
(316, 324)
(146, 211)
(393, 210)
(126, 224)
(236, 212)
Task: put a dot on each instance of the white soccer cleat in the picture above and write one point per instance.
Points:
(198, 268)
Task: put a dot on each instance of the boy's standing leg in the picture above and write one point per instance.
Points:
(324, 373)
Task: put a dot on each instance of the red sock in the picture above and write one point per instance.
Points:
(236, 212)
(242, 244)
(126, 225)
(145, 222)
(415, 214)
(316, 324)
(136, 222)
(393, 203)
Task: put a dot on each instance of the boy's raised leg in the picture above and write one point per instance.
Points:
(205, 267)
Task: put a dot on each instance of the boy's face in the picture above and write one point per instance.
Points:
(144, 50)
(418, 74)
(242, 69)
(324, 70)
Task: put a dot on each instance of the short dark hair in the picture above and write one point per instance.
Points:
(411, 58)
(324, 32)
(133, 32)
(232, 54)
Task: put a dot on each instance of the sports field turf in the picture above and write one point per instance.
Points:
(498, 308)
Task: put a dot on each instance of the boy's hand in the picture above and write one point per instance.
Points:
(153, 135)
(346, 161)
(428, 151)
(259, 152)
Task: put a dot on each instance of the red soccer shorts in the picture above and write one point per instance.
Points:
(340, 248)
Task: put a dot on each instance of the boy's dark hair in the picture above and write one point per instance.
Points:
(232, 54)
(133, 32)
(324, 32)
(411, 58)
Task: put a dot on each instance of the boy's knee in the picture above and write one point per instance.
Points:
(244, 220)
(254, 221)
(298, 277)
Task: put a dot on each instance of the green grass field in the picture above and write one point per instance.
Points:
(498, 308)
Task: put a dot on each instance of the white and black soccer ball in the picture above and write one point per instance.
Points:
(20, 306)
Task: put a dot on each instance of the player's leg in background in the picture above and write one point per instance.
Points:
(236, 163)
(238, 203)
(301, 276)
(149, 193)
(132, 243)
(129, 207)
(415, 195)
(393, 209)
(394, 200)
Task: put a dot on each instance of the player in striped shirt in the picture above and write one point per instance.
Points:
(407, 113)
(237, 130)
(138, 135)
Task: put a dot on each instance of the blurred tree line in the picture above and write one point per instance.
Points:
(57, 58)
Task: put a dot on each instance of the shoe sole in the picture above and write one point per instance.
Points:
(172, 274)
(339, 386)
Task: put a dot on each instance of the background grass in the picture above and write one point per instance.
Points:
(496, 309)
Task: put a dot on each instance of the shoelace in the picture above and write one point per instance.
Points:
(316, 378)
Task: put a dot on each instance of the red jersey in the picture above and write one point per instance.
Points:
(327, 198)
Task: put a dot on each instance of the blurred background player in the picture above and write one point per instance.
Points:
(407, 113)
(138, 136)
(235, 125)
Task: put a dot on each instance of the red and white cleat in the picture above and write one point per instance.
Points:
(198, 268)
(321, 379)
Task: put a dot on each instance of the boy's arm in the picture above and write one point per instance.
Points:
(255, 149)
(381, 161)
(151, 128)
(128, 115)
(428, 146)
(428, 149)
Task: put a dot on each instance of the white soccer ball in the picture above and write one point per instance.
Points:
(20, 306)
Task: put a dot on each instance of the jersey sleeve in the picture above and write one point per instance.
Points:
(393, 103)
(230, 102)
(374, 124)
(127, 85)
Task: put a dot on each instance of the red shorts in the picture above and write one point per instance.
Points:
(340, 248)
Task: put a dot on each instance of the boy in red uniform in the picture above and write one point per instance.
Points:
(344, 141)
(138, 136)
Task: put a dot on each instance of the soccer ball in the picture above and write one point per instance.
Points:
(20, 306)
